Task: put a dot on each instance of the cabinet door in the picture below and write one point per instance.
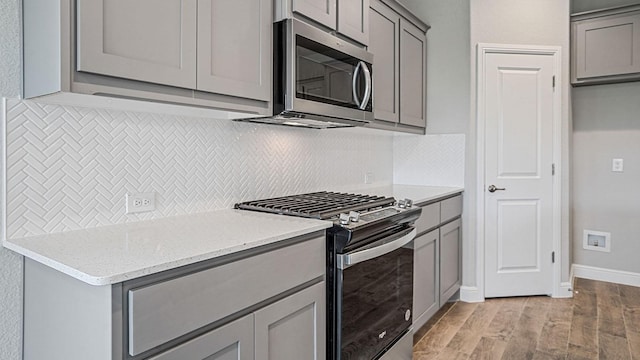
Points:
(293, 328)
(413, 75)
(233, 341)
(607, 46)
(353, 19)
(384, 44)
(425, 278)
(321, 11)
(450, 265)
(142, 40)
(234, 48)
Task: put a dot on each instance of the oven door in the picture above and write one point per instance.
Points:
(374, 295)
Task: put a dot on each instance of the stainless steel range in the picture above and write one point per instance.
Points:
(369, 269)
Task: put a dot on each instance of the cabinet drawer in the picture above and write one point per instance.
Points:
(450, 208)
(429, 219)
(164, 311)
(232, 341)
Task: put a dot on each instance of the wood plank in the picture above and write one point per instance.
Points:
(488, 349)
(579, 353)
(442, 332)
(613, 347)
(522, 344)
(585, 284)
(633, 338)
(502, 325)
(471, 331)
(629, 295)
(584, 333)
(419, 334)
(554, 339)
(610, 319)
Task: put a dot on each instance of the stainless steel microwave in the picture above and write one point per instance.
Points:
(319, 80)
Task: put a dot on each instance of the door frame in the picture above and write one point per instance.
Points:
(484, 49)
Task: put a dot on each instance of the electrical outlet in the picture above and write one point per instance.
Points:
(140, 202)
(617, 165)
(368, 177)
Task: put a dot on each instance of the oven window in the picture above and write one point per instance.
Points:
(376, 297)
(326, 75)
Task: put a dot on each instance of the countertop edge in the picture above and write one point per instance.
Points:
(108, 280)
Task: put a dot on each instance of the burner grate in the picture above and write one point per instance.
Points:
(318, 205)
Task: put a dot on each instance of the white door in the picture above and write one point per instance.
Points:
(518, 112)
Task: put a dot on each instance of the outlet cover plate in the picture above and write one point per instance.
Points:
(140, 202)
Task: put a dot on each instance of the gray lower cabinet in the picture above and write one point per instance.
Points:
(399, 44)
(605, 46)
(232, 341)
(425, 268)
(264, 303)
(293, 328)
(450, 256)
(290, 329)
(437, 257)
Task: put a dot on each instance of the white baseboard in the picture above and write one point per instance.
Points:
(608, 275)
(471, 294)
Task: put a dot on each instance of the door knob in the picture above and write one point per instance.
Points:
(493, 188)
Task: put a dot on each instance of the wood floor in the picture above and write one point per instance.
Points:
(602, 321)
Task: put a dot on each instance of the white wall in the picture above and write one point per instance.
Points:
(540, 22)
(10, 263)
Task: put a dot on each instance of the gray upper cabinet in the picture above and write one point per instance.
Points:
(606, 46)
(191, 52)
(413, 75)
(321, 11)
(398, 43)
(141, 40)
(349, 18)
(353, 19)
(234, 57)
(384, 44)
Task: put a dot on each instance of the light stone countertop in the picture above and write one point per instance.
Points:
(116, 253)
(418, 194)
(111, 254)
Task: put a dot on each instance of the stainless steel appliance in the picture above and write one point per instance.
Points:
(369, 269)
(320, 81)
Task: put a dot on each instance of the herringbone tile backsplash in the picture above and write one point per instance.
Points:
(70, 167)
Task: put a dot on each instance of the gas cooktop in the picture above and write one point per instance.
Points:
(343, 208)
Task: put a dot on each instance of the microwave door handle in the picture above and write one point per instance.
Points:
(347, 260)
(367, 82)
(354, 83)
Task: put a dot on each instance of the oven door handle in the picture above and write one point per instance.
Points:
(347, 260)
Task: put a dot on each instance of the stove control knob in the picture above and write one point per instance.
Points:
(344, 219)
(402, 204)
(408, 203)
(354, 216)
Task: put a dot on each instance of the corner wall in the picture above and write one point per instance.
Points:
(607, 126)
(10, 262)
